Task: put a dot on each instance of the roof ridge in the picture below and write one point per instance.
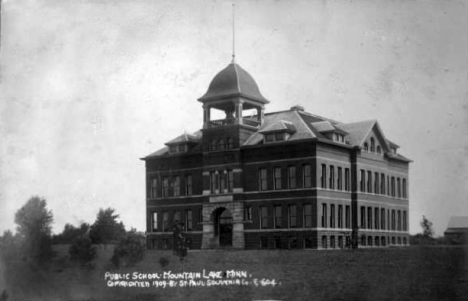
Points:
(237, 76)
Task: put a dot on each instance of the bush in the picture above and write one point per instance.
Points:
(129, 250)
(82, 251)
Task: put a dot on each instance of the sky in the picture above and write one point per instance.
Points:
(90, 87)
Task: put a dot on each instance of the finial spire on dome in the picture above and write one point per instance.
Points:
(233, 34)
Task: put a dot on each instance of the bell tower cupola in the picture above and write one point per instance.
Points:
(232, 91)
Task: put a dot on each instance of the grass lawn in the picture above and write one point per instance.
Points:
(415, 273)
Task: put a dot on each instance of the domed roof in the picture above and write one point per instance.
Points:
(233, 81)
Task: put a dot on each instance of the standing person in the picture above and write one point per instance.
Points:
(176, 239)
(183, 246)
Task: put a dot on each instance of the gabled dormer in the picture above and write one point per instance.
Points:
(330, 131)
(182, 143)
(278, 131)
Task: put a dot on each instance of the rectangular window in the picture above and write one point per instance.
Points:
(279, 136)
(405, 221)
(165, 221)
(165, 190)
(340, 216)
(222, 181)
(263, 242)
(176, 186)
(307, 215)
(277, 241)
(230, 180)
(262, 179)
(155, 221)
(306, 175)
(248, 213)
(363, 217)
(399, 187)
(393, 186)
(324, 215)
(177, 217)
(399, 220)
(348, 217)
(292, 177)
(332, 177)
(376, 183)
(269, 137)
(340, 179)
(347, 180)
(154, 188)
(382, 219)
(323, 179)
(188, 185)
(263, 217)
(188, 220)
(363, 180)
(332, 216)
(369, 217)
(393, 220)
(369, 181)
(376, 218)
(277, 216)
(388, 186)
(182, 148)
(277, 179)
(404, 188)
(214, 182)
(292, 216)
(382, 183)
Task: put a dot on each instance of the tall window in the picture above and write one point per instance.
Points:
(165, 190)
(369, 217)
(405, 221)
(324, 215)
(222, 181)
(393, 186)
(176, 186)
(248, 213)
(363, 180)
(369, 181)
(348, 217)
(188, 185)
(388, 186)
(376, 183)
(393, 220)
(382, 183)
(399, 187)
(372, 144)
(263, 217)
(262, 176)
(332, 177)
(154, 188)
(306, 174)
(188, 220)
(292, 177)
(230, 143)
(165, 221)
(376, 218)
(230, 180)
(379, 149)
(347, 180)
(292, 216)
(214, 145)
(340, 216)
(332, 216)
(340, 179)
(213, 181)
(155, 221)
(323, 179)
(399, 220)
(277, 216)
(363, 217)
(277, 179)
(404, 189)
(307, 215)
(177, 217)
(382, 219)
(222, 144)
(366, 147)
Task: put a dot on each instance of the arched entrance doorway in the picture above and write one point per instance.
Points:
(223, 226)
